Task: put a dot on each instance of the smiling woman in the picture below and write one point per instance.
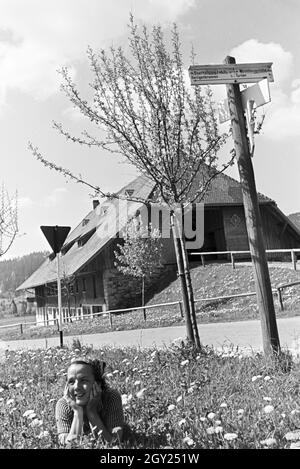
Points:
(88, 405)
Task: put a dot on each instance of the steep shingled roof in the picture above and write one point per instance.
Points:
(103, 223)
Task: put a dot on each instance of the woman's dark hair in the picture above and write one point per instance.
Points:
(98, 368)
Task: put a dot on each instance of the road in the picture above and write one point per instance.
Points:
(244, 334)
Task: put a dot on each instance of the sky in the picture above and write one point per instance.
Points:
(38, 38)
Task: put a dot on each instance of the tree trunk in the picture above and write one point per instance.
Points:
(143, 296)
(190, 294)
(181, 274)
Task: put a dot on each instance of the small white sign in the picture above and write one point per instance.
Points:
(259, 93)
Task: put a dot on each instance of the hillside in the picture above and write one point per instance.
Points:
(295, 218)
(14, 271)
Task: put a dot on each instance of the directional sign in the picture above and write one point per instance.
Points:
(230, 73)
(56, 236)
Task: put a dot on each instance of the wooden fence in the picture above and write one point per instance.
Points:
(233, 255)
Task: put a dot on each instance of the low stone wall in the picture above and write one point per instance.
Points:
(125, 291)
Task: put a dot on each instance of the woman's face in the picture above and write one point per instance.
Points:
(80, 381)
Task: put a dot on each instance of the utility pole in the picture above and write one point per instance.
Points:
(264, 294)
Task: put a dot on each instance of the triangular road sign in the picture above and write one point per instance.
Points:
(56, 236)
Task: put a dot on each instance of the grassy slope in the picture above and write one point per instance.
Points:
(210, 281)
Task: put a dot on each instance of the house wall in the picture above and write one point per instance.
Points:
(235, 230)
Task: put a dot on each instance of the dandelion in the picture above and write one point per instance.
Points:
(268, 409)
(116, 429)
(254, 378)
(184, 362)
(140, 393)
(283, 416)
(230, 436)
(137, 383)
(188, 441)
(268, 442)
(267, 378)
(210, 430)
(181, 422)
(36, 423)
(218, 429)
(44, 434)
(240, 412)
(28, 412)
(223, 405)
(293, 436)
(171, 407)
(18, 385)
(211, 415)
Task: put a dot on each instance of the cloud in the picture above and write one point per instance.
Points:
(37, 38)
(54, 198)
(24, 202)
(283, 114)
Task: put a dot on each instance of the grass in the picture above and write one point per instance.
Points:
(212, 281)
(172, 398)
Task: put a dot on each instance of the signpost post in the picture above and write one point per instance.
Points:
(56, 236)
(232, 75)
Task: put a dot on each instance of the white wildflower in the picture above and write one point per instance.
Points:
(211, 415)
(268, 442)
(188, 441)
(171, 407)
(295, 445)
(218, 429)
(179, 398)
(140, 393)
(267, 378)
(181, 422)
(184, 362)
(137, 383)
(293, 436)
(230, 436)
(268, 409)
(210, 430)
(223, 405)
(28, 412)
(268, 399)
(240, 411)
(254, 378)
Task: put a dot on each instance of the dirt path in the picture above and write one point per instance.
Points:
(244, 334)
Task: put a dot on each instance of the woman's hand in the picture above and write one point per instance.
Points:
(75, 407)
(95, 402)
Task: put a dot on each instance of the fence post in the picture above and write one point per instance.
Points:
(232, 261)
(280, 298)
(180, 307)
(144, 313)
(202, 260)
(294, 259)
(21, 328)
(110, 320)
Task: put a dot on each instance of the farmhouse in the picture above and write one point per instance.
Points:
(90, 280)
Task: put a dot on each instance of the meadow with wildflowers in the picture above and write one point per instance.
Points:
(172, 398)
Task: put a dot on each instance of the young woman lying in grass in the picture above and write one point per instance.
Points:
(88, 405)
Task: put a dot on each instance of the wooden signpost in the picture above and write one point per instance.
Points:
(232, 75)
